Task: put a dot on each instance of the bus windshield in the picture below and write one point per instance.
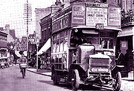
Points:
(100, 41)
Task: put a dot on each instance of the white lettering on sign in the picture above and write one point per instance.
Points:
(61, 23)
(96, 15)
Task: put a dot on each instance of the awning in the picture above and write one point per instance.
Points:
(45, 47)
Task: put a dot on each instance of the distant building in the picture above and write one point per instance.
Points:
(3, 39)
(39, 14)
(1, 29)
(42, 12)
(125, 38)
(11, 33)
(32, 45)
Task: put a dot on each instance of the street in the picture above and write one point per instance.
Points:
(11, 80)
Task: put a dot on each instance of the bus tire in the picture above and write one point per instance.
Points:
(75, 80)
(117, 83)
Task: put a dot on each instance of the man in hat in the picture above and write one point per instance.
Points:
(22, 62)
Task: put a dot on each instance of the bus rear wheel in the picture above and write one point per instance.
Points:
(54, 78)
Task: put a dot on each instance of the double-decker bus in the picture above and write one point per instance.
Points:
(84, 45)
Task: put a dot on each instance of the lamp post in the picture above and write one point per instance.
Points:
(37, 45)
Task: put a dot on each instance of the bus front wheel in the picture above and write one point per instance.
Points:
(117, 82)
(75, 79)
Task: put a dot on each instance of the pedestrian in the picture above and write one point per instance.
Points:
(22, 62)
(39, 63)
(126, 59)
(120, 58)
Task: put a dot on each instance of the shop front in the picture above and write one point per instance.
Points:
(126, 46)
(44, 55)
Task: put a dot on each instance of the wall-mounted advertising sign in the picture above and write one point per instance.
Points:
(95, 15)
(61, 23)
(78, 14)
(114, 16)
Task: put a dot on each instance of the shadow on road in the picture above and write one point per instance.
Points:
(60, 85)
(20, 78)
(82, 87)
(48, 82)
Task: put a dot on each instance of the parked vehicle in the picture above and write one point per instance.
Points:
(3, 58)
(85, 54)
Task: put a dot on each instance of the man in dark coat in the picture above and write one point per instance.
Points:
(120, 59)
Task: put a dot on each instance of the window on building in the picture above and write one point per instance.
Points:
(104, 1)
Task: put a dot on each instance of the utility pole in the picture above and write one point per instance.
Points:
(27, 28)
(27, 19)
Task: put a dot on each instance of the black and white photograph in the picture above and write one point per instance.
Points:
(66, 45)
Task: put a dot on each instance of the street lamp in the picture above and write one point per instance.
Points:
(37, 45)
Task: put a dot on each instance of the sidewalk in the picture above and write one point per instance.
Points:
(130, 76)
(40, 71)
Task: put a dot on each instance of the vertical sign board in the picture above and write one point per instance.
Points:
(96, 13)
(114, 16)
(124, 44)
(24, 44)
(78, 14)
(21, 45)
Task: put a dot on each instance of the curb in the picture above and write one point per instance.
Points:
(38, 73)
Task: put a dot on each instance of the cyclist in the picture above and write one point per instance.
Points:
(22, 63)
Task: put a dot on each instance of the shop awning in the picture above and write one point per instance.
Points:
(45, 47)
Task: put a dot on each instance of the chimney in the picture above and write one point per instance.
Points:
(66, 3)
(58, 2)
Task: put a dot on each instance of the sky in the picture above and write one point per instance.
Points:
(11, 12)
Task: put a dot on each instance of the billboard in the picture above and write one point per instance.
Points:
(114, 16)
(95, 16)
(96, 13)
(78, 14)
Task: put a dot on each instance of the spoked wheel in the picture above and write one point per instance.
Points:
(117, 82)
(75, 80)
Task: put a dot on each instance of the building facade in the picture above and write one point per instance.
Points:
(39, 14)
(126, 36)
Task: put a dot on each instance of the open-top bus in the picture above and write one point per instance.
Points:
(84, 45)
